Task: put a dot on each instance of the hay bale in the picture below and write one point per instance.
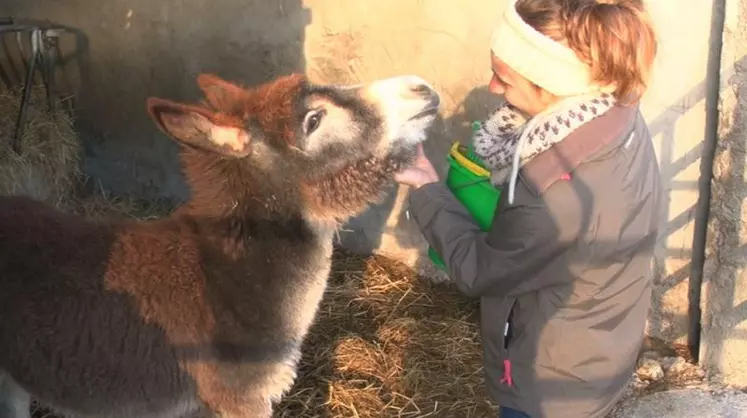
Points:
(48, 168)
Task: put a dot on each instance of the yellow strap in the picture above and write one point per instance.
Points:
(466, 163)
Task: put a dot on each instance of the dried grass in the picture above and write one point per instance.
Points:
(101, 205)
(48, 167)
(389, 344)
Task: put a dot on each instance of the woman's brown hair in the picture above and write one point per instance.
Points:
(615, 38)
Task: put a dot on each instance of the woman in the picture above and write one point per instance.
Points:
(564, 274)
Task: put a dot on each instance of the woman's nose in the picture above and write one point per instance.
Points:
(496, 86)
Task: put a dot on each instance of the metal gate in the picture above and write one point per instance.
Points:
(29, 52)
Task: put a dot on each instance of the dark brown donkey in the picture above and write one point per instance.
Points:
(202, 313)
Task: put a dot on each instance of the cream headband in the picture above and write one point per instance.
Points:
(543, 61)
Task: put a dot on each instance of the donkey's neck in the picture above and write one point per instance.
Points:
(288, 258)
(224, 188)
(235, 226)
(235, 204)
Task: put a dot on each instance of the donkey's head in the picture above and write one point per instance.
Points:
(289, 145)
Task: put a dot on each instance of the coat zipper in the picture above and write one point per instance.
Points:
(507, 333)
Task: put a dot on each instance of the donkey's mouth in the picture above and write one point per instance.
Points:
(431, 111)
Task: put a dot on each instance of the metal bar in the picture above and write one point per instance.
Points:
(16, 27)
(25, 100)
(22, 51)
(702, 206)
(48, 54)
(41, 57)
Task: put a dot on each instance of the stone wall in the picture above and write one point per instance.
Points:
(724, 302)
(137, 48)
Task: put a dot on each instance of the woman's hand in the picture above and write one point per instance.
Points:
(418, 174)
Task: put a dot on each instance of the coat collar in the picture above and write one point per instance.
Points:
(602, 134)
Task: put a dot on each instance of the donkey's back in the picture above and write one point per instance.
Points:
(67, 311)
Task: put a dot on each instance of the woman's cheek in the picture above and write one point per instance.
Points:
(512, 97)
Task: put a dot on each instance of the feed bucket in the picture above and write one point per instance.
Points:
(469, 181)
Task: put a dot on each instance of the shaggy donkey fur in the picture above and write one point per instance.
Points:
(201, 313)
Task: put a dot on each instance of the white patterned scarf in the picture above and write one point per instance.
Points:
(507, 140)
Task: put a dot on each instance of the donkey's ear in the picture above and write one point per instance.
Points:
(221, 94)
(195, 127)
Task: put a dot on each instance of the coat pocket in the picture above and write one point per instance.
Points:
(508, 333)
(508, 328)
(497, 333)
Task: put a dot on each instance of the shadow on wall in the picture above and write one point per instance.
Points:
(477, 105)
(663, 321)
(142, 48)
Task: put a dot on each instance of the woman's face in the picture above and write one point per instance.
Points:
(517, 90)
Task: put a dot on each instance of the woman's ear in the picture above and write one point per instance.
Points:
(193, 126)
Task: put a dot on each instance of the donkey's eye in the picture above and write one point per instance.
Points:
(312, 121)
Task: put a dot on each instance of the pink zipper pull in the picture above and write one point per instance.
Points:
(507, 379)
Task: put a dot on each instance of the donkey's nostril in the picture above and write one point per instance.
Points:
(422, 90)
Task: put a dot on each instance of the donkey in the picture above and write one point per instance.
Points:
(202, 313)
